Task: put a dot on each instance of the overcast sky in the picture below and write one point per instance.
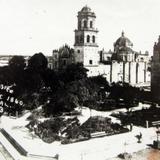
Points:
(31, 26)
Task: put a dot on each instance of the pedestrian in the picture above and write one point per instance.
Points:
(140, 135)
(131, 126)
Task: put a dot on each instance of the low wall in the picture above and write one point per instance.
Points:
(16, 145)
(21, 150)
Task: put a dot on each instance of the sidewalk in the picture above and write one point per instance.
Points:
(108, 147)
(98, 148)
(93, 149)
(12, 151)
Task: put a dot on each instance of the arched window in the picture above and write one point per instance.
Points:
(85, 24)
(77, 39)
(90, 61)
(88, 38)
(81, 39)
(91, 24)
(64, 62)
(93, 39)
(79, 24)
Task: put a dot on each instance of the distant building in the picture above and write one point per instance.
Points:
(63, 57)
(121, 64)
(4, 59)
(155, 71)
(123, 50)
(105, 57)
(50, 62)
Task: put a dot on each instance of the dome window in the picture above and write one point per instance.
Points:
(93, 39)
(88, 38)
(90, 62)
(85, 24)
(64, 62)
(91, 24)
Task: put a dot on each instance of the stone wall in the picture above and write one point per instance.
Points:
(130, 72)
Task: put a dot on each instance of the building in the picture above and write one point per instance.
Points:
(62, 57)
(155, 71)
(105, 57)
(4, 60)
(128, 65)
(123, 49)
(85, 47)
(121, 64)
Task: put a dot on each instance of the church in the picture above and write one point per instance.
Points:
(122, 64)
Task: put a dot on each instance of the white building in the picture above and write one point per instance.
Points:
(121, 64)
(86, 48)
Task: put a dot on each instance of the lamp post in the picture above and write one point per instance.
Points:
(158, 135)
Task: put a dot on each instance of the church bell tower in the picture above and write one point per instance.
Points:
(85, 46)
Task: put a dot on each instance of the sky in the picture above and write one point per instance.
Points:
(31, 26)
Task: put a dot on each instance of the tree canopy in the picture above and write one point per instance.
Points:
(62, 90)
(17, 62)
(38, 62)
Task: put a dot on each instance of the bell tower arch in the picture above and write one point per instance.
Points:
(85, 46)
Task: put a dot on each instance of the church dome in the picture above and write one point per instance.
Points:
(86, 9)
(65, 51)
(123, 43)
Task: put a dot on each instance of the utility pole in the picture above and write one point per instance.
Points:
(81, 156)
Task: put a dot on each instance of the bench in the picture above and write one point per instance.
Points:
(156, 123)
(98, 134)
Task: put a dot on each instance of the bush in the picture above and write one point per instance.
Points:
(65, 141)
(51, 138)
(125, 155)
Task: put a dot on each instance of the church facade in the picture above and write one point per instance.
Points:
(122, 64)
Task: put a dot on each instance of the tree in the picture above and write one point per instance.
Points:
(124, 91)
(17, 62)
(33, 79)
(80, 89)
(13, 72)
(6, 77)
(38, 63)
(100, 81)
(62, 101)
(51, 79)
(73, 72)
(16, 68)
